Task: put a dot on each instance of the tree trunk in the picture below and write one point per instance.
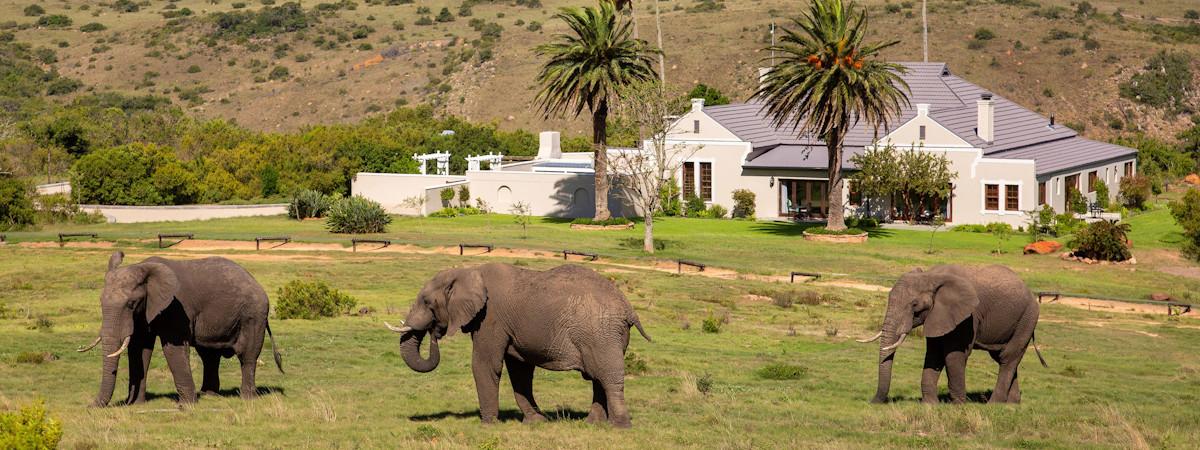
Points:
(662, 63)
(600, 154)
(835, 219)
(648, 238)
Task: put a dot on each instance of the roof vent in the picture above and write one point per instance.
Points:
(1051, 121)
(945, 71)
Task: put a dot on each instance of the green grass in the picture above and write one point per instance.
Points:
(746, 246)
(1115, 381)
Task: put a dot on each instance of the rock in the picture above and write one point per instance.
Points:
(1043, 247)
(1160, 297)
(1192, 179)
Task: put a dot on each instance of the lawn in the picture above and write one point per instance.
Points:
(1115, 380)
(746, 246)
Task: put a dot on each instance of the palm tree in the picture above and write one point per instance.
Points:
(584, 70)
(827, 79)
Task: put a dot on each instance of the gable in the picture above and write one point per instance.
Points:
(684, 128)
(936, 135)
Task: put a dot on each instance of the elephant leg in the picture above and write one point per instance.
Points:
(249, 361)
(599, 410)
(1014, 389)
(520, 374)
(140, 350)
(956, 375)
(932, 371)
(485, 366)
(211, 360)
(618, 413)
(1006, 377)
(177, 355)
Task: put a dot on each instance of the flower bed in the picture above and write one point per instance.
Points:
(848, 236)
(583, 226)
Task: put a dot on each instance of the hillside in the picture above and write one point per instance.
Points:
(298, 65)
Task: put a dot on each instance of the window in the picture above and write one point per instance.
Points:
(706, 181)
(855, 194)
(991, 197)
(1092, 177)
(695, 126)
(1012, 197)
(689, 180)
(1129, 169)
(1072, 182)
(922, 131)
(1042, 193)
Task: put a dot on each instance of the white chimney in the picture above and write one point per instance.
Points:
(762, 74)
(697, 104)
(985, 126)
(549, 146)
(922, 109)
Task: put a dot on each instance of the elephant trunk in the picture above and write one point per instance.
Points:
(894, 330)
(108, 371)
(410, 350)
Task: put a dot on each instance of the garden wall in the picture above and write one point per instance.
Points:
(138, 214)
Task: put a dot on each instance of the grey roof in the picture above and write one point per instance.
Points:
(1019, 132)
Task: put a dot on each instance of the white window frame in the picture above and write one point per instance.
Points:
(1001, 204)
(696, 177)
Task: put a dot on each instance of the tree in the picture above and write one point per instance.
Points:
(711, 95)
(827, 80)
(912, 174)
(16, 210)
(584, 70)
(1186, 211)
(645, 173)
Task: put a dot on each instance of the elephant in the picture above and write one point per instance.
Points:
(1002, 311)
(212, 304)
(565, 318)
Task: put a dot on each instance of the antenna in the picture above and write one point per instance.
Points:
(772, 42)
(924, 32)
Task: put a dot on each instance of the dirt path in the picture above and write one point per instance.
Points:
(1116, 306)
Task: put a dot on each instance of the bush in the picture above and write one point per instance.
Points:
(970, 228)
(59, 208)
(1076, 202)
(1102, 240)
(445, 16)
(716, 212)
(311, 300)
(1066, 223)
(455, 212)
(711, 324)
(54, 21)
(669, 198)
(634, 364)
(16, 209)
(357, 215)
(279, 73)
(308, 204)
(862, 223)
(29, 428)
(464, 195)
(1002, 232)
(1164, 82)
(93, 27)
(446, 195)
(1135, 191)
(695, 207)
(34, 10)
(1186, 211)
(984, 34)
(1102, 194)
(781, 372)
(743, 204)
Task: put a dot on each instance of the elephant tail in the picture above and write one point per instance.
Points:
(633, 320)
(1033, 339)
(278, 360)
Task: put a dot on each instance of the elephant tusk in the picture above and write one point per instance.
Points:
(397, 329)
(896, 345)
(124, 345)
(871, 339)
(89, 347)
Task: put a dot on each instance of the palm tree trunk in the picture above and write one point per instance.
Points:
(648, 238)
(835, 219)
(662, 63)
(600, 155)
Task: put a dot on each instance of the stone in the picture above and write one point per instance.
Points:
(1042, 247)
(1192, 179)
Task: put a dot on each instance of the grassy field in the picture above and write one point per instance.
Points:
(1115, 380)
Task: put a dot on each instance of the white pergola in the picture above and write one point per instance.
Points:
(442, 159)
(493, 160)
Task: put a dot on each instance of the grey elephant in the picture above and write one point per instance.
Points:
(961, 308)
(566, 318)
(212, 304)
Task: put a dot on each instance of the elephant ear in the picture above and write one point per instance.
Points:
(114, 261)
(466, 297)
(161, 287)
(954, 300)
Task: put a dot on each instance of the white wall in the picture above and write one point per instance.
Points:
(393, 190)
(139, 214)
(1109, 173)
(548, 194)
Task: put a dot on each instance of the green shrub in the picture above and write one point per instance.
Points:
(1002, 232)
(311, 300)
(464, 195)
(445, 16)
(446, 194)
(29, 428)
(455, 212)
(92, 27)
(279, 73)
(984, 34)
(1102, 194)
(1076, 202)
(716, 212)
(704, 384)
(1102, 240)
(1066, 223)
(634, 364)
(54, 21)
(695, 207)
(970, 228)
(1164, 82)
(34, 10)
(669, 198)
(35, 357)
(862, 223)
(424, 20)
(268, 21)
(357, 215)
(308, 204)
(711, 324)
(1186, 211)
(16, 208)
(59, 208)
(1135, 191)
(781, 372)
(743, 204)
